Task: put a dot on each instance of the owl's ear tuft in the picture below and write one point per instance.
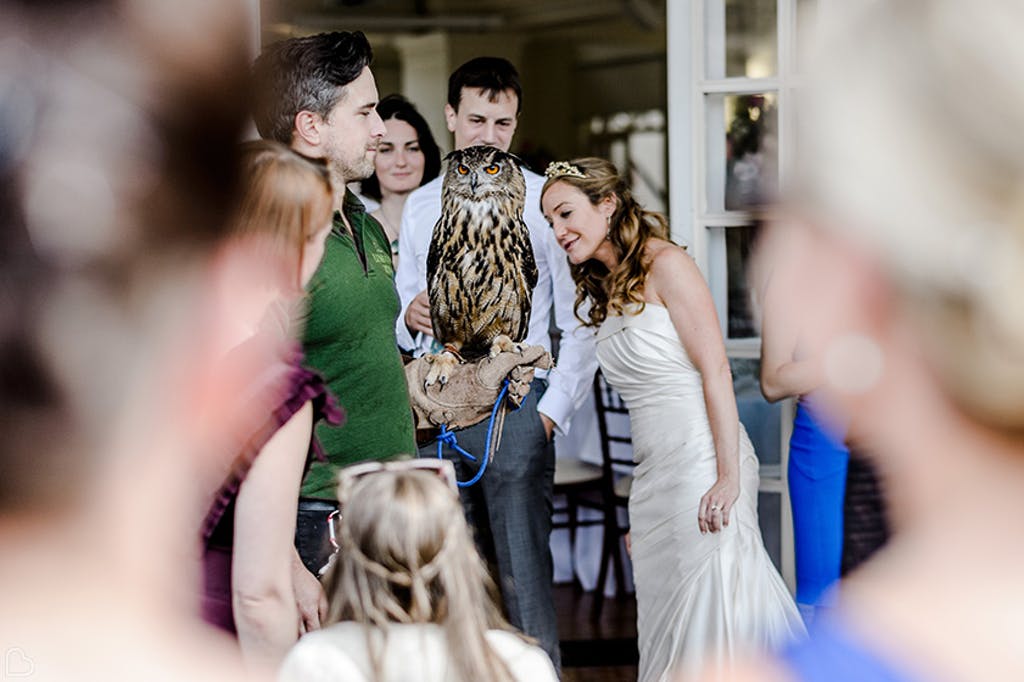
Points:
(519, 161)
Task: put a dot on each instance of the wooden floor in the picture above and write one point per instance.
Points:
(596, 650)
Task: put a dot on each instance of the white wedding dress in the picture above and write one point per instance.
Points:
(701, 599)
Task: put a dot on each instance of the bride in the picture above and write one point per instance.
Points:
(706, 588)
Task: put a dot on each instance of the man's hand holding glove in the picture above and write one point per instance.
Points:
(472, 388)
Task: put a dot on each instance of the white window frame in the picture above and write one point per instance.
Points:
(689, 171)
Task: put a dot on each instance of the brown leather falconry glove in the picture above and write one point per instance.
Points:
(473, 387)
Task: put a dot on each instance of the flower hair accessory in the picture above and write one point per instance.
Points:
(557, 169)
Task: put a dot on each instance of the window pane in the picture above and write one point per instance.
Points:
(769, 513)
(741, 38)
(751, 171)
(647, 169)
(742, 146)
(729, 256)
(738, 245)
(806, 19)
(760, 418)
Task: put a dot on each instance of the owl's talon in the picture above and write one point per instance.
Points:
(504, 344)
(441, 366)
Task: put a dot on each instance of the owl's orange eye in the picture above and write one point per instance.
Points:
(462, 170)
(492, 169)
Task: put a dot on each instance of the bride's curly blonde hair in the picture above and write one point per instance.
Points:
(629, 229)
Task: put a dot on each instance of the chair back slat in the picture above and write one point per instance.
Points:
(613, 424)
(608, 402)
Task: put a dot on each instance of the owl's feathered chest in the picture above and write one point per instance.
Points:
(480, 273)
(471, 226)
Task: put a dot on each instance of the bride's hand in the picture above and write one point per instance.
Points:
(716, 505)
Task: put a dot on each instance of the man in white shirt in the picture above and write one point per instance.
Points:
(511, 505)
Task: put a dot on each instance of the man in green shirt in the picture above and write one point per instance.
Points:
(318, 95)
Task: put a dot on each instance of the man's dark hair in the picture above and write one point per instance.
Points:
(493, 75)
(304, 74)
(396, 106)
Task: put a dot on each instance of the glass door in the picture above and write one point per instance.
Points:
(733, 70)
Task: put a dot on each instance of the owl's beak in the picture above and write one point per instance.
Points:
(472, 182)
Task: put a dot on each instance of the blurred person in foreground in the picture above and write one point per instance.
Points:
(410, 598)
(255, 582)
(905, 253)
(118, 126)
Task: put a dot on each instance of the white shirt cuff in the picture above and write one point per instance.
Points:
(402, 334)
(558, 407)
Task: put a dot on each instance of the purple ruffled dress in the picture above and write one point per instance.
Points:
(298, 385)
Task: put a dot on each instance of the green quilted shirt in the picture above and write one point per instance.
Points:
(350, 339)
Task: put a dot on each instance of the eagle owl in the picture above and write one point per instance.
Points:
(480, 267)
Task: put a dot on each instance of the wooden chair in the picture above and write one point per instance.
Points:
(582, 484)
(616, 479)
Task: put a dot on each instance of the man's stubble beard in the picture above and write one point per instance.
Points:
(349, 169)
(361, 170)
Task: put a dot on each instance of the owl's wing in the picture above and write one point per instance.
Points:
(526, 254)
(434, 252)
(521, 261)
(442, 291)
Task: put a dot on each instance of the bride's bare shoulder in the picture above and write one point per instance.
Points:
(668, 260)
(657, 247)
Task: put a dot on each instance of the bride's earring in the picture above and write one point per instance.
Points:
(608, 230)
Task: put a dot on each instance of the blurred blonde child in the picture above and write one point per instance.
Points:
(410, 598)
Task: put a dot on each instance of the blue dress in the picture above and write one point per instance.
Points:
(832, 654)
(817, 480)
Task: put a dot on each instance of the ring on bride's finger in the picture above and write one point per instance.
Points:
(715, 507)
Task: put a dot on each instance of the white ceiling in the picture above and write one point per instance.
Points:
(608, 28)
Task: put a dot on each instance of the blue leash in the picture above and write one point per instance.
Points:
(447, 437)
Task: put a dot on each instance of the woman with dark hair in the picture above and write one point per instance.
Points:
(407, 158)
